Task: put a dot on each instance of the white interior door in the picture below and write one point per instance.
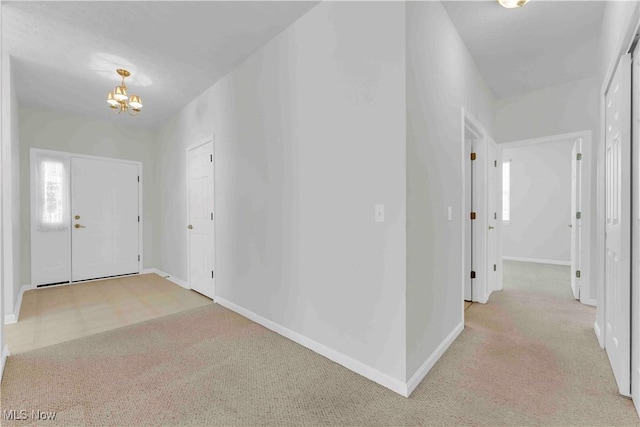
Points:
(618, 221)
(50, 219)
(492, 217)
(635, 236)
(104, 210)
(469, 225)
(576, 223)
(200, 173)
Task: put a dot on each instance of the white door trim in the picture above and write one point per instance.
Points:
(209, 139)
(69, 155)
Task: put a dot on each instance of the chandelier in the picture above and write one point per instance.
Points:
(119, 101)
(511, 4)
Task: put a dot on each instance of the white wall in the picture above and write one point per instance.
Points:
(540, 202)
(618, 23)
(69, 132)
(565, 108)
(442, 78)
(309, 135)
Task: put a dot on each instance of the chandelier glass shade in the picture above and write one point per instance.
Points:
(512, 4)
(119, 100)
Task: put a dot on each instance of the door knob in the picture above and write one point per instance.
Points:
(77, 217)
(79, 226)
(190, 227)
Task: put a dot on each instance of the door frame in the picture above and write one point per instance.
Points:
(480, 292)
(210, 139)
(585, 193)
(69, 155)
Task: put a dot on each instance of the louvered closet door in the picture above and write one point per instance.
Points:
(618, 222)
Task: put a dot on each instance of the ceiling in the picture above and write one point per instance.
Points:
(542, 44)
(64, 54)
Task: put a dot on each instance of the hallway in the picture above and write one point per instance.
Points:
(535, 353)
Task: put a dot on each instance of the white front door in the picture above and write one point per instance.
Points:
(200, 173)
(104, 218)
(618, 222)
(575, 222)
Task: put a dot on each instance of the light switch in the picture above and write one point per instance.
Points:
(449, 213)
(379, 213)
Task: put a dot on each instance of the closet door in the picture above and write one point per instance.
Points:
(104, 218)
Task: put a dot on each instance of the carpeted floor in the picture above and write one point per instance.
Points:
(528, 357)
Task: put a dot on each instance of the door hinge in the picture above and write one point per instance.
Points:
(495, 163)
(473, 156)
(138, 258)
(578, 274)
(579, 156)
(578, 215)
(495, 215)
(473, 215)
(138, 218)
(212, 274)
(495, 267)
(138, 178)
(211, 157)
(211, 216)
(473, 274)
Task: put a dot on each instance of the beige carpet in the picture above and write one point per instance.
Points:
(529, 357)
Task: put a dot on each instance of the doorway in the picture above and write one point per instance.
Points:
(481, 249)
(85, 217)
(201, 217)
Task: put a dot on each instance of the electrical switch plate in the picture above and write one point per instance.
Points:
(379, 213)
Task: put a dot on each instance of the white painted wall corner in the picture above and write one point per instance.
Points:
(13, 317)
(167, 276)
(3, 362)
(422, 372)
(331, 354)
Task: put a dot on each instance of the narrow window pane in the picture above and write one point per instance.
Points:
(506, 191)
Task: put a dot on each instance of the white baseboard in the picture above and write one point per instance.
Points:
(161, 273)
(13, 317)
(596, 329)
(539, 261)
(433, 358)
(591, 302)
(342, 359)
(3, 361)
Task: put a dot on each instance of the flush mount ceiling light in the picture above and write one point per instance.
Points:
(118, 99)
(512, 4)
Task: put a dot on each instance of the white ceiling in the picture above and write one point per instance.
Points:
(65, 54)
(542, 44)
